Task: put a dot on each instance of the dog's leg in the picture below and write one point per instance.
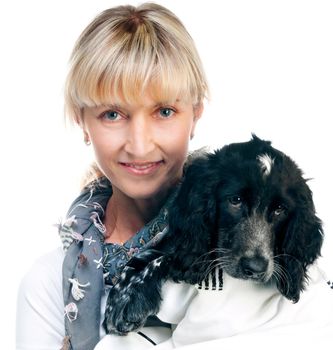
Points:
(136, 296)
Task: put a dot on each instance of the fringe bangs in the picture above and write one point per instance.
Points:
(126, 59)
(128, 82)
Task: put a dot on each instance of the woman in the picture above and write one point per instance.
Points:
(136, 88)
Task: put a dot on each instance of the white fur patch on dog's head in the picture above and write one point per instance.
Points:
(266, 163)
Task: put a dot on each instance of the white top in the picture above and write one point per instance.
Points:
(243, 313)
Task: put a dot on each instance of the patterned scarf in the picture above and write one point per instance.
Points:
(90, 265)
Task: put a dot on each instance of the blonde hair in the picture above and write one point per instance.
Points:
(126, 50)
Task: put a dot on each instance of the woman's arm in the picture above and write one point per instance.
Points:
(40, 310)
(176, 299)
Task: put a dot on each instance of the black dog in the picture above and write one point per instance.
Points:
(245, 208)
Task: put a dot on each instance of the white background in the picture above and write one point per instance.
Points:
(270, 68)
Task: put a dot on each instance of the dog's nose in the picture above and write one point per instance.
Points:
(254, 267)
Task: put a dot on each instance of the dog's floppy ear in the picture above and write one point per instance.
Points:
(192, 218)
(301, 244)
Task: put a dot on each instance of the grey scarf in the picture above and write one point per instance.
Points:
(90, 264)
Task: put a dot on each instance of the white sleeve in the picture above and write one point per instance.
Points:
(40, 310)
(298, 337)
(251, 315)
(244, 314)
(176, 298)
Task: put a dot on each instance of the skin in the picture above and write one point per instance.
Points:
(141, 148)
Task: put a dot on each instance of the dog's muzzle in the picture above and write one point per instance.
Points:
(254, 268)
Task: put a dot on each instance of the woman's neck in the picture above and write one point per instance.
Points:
(125, 216)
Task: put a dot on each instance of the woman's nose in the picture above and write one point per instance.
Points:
(140, 140)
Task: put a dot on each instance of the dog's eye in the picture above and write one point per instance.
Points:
(280, 209)
(236, 201)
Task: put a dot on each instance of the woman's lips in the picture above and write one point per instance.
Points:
(141, 168)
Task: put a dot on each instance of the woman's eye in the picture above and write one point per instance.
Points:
(166, 112)
(236, 201)
(111, 115)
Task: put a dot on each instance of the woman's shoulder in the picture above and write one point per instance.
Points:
(45, 274)
(50, 261)
(40, 304)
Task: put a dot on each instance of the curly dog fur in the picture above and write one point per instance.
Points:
(245, 208)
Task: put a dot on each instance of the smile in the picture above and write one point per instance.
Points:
(141, 168)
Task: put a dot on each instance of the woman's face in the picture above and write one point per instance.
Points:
(141, 147)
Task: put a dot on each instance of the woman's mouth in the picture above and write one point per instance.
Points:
(141, 168)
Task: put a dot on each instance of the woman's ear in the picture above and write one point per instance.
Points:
(198, 110)
(78, 116)
(79, 120)
(197, 113)
(86, 136)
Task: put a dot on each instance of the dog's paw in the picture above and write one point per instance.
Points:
(130, 302)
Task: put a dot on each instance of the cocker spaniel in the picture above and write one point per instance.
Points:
(245, 208)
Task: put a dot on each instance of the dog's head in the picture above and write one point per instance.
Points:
(256, 210)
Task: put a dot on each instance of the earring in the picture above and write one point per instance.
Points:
(191, 137)
(87, 142)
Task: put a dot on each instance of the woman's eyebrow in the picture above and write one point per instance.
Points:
(164, 103)
(112, 105)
